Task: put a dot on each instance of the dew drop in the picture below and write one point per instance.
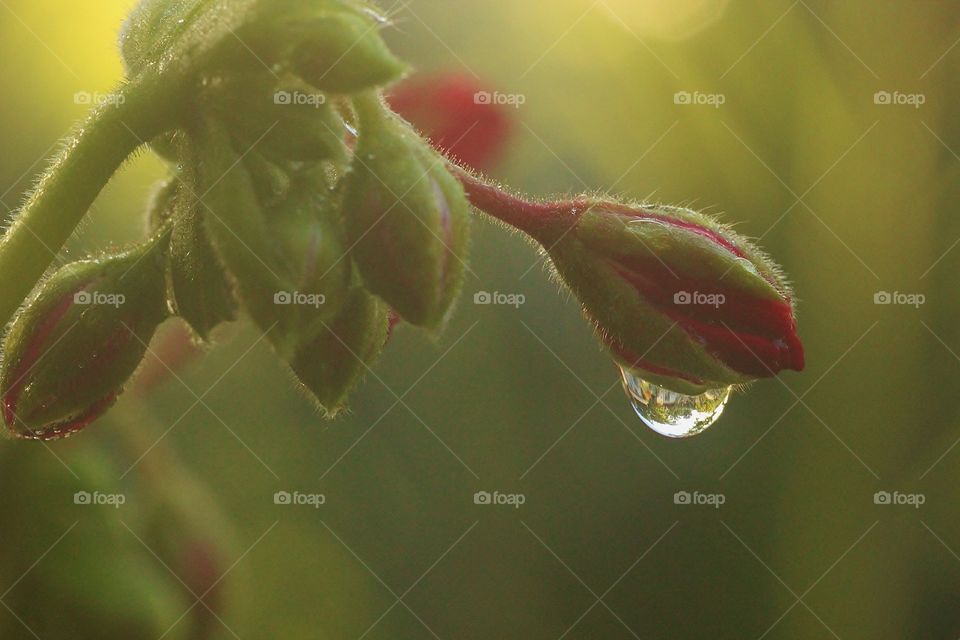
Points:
(673, 414)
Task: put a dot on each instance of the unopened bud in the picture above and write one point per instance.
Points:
(287, 258)
(678, 298)
(332, 363)
(407, 219)
(72, 349)
(335, 46)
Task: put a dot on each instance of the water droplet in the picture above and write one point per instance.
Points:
(673, 414)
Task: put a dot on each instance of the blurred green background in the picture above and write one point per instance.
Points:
(851, 195)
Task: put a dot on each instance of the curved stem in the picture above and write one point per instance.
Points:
(543, 221)
(139, 111)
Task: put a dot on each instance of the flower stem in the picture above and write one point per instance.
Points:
(543, 221)
(139, 111)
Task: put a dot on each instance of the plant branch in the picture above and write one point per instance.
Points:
(136, 113)
(543, 221)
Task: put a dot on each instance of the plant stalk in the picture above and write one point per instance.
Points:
(139, 112)
(543, 221)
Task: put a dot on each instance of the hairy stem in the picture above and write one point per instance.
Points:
(543, 221)
(139, 111)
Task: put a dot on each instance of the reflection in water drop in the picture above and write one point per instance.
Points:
(673, 414)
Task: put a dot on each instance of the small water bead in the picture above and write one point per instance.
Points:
(673, 414)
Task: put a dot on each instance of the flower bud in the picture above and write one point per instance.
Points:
(679, 299)
(71, 350)
(288, 257)
(332, 363)
(407, 219)
(334, 45)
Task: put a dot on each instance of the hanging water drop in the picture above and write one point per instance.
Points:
(673, 414)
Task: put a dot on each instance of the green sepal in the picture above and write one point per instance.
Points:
(337, 357)
(407, 219)
(688, 253)
(162, 203)
(624, 319)
(285, 119)
(169, 146)
(334, 45)
(183, 37)
(197, 286)
(346, 54)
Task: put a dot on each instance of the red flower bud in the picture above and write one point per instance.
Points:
(69, 353)
(723, 311)
(678, 298)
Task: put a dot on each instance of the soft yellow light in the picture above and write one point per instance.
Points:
(668, 19)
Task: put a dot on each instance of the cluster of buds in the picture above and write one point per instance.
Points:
(300, 199)
(268, 212)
